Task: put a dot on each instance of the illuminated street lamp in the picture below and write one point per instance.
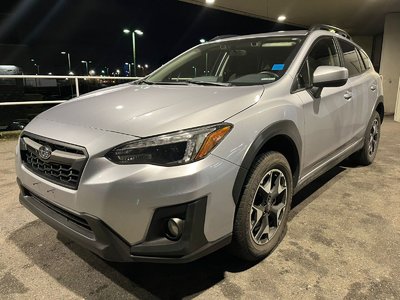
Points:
(37, 69)
(202, 41)
(69, 60)
(36, 65)
(143, 69)
(134, 32)
(87, 65)
(129, 67)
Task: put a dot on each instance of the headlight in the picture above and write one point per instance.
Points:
(176, 148)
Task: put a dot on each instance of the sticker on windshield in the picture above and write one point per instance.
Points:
(278, 67)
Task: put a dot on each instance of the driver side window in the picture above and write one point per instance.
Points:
(323, 53)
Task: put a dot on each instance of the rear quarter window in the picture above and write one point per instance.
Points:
(366, 60)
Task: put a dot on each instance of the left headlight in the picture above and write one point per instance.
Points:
(175, 148)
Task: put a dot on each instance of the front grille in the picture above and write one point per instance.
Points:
(57, 172)
(65, 165)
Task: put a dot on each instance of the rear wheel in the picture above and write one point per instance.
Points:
(367, 154)
(264, 207)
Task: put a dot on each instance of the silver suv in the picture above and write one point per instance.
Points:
(206, 151)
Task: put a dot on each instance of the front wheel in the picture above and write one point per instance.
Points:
(367, 154)
(264, 207)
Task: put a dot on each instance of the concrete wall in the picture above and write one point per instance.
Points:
(390, 62)
(397, 110)
(377, 52)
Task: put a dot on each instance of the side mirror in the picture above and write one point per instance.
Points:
(328, 76)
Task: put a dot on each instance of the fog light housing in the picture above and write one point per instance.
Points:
(174, 228)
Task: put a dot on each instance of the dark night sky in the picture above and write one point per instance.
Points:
(92, 30)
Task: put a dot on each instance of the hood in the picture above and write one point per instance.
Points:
(146, 110)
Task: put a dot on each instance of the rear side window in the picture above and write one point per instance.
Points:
(352, 60)
(365, 59)
(323, 53)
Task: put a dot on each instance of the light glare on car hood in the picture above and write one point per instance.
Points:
(143, 110)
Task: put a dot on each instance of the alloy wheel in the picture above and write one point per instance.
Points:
(268, 206)
(373, 138)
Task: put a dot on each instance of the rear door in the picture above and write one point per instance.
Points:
(328, 119)
(356, 86)
(371, 88)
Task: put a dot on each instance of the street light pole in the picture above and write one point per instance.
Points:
(70, 73)
(134, 32)
(35, 65)
(69, 60)
(129, 68)
(87, 66)
(134, 52)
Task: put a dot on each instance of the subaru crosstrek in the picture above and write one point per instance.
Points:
(206, 151)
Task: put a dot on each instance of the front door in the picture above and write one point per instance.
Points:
(328, 120)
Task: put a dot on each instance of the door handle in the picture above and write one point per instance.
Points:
(348, 95)
(373, 87)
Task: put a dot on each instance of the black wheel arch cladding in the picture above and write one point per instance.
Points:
(284, 128)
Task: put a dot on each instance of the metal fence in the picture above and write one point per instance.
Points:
(22, 97)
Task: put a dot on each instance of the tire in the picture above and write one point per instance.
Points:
(265, 200)
(367, 154)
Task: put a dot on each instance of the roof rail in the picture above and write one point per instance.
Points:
(331, 29)
(221, 37)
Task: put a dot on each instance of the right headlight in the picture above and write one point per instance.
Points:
(175, 148)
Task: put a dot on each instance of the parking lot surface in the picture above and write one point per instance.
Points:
(342, 242)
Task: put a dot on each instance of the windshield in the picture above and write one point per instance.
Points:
(239, 62)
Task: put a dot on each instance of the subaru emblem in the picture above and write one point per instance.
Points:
(45, 152)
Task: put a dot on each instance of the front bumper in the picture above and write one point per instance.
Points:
(120, 202)
(93, 234)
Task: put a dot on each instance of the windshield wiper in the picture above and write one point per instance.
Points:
(185, 82)
(162, 82)
(145, 82)
(208, 83)
(141, 81)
